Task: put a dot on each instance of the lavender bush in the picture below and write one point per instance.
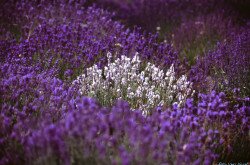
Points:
(227, 67)
(144, 86)
(51, 110)
(122, 136)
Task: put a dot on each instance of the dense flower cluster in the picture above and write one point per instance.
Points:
(46, 119)
(118, 135)
(227, 67)
(144, 87)
(49, 38)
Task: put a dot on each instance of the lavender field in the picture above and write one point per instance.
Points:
(139, 82)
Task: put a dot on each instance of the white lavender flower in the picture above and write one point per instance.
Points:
(143, 87)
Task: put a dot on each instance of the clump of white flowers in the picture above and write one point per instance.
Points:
(143, 85)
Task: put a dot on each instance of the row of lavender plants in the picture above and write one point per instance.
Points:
(192, 26)
(79, 87)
